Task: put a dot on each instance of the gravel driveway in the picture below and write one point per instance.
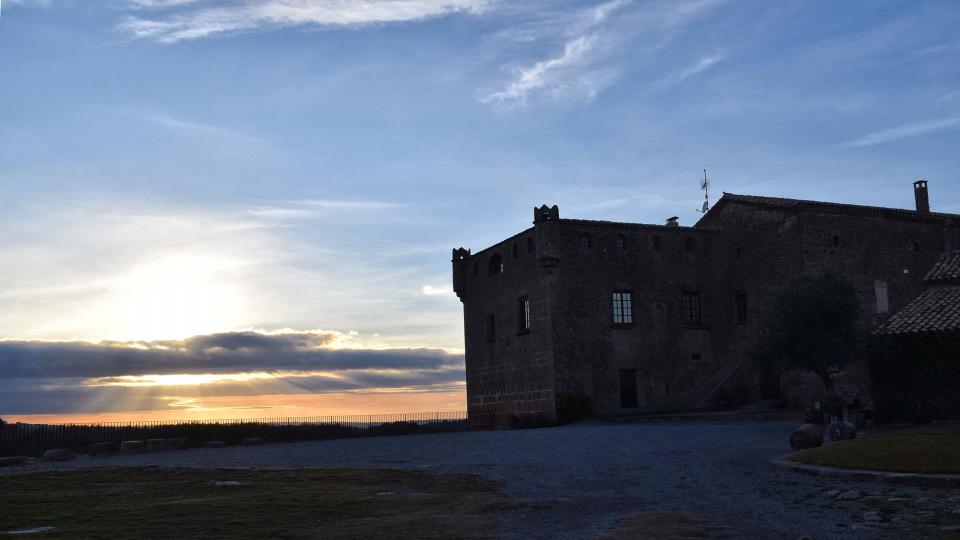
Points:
(577, 481)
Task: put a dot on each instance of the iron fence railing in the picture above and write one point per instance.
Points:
(19, 439)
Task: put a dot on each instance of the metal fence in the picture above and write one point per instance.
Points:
(33, 440)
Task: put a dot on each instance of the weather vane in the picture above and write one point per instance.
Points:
(705, 186)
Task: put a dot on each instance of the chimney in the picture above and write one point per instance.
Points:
(920, 194)
(672, 222)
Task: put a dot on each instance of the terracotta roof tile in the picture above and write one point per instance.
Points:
(937, 309)
(946, 270)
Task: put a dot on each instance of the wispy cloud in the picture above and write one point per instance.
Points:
(593, 41)
(239, 16)
(703, 64)
(902, 132)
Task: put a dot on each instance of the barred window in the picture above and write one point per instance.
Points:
(622, 307)
(690, 308)
(740, 303)
(584, 241)
(523, 314)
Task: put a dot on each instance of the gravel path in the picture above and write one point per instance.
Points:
(577, 481)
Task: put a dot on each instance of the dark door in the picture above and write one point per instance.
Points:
(628, 388)
(769, 385)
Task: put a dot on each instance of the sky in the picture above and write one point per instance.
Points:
(245, 208)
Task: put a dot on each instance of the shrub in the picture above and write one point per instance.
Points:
(915, 378)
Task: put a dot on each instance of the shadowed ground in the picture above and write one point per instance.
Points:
(596, 479)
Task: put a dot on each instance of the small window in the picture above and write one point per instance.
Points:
(523, 315)
(628, 388)
(695, 356)
(516, 251)
(495, 266)
(655, 242)
(916, 246)
(690, 308)
(739, 253)
(584, 241)
(836, 240)
(491, 327)
(621, 241)
(690, 244)
(475, 270)
(622, 308)
(529, 245)
(740, 306)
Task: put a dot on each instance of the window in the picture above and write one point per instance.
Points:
(740, 306)
(739, 253)
(474, 267)
(495, 266)
(621, 241)
(690, 244)
(523, 315)
(491, 327)
(584, 241)
(916, 246)
(628, 388)
(690, 308)
(529, 245)
(516, 251)
(695, 356)
(655, 242)
(836, 240)
(622, 308)
(880, 292)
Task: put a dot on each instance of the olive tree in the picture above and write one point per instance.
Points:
(813, 325)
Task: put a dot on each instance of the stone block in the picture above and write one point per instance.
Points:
(103, 449)
(133, 447)
(214, 444)
(59, 454)
(251, 441)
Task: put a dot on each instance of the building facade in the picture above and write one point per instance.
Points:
(638, 317)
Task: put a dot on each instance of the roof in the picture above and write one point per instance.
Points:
(936, 310)
(831, 207)
(946, 270)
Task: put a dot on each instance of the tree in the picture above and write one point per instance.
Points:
(813, 325)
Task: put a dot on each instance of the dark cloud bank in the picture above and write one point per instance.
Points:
(39, 377)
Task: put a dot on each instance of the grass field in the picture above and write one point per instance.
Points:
(306, 503)
(933, 448)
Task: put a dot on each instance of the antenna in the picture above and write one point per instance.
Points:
(705, 186)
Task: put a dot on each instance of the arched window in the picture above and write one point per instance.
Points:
(621, 241)
(516, 252)
(529, 244)
(496, 264)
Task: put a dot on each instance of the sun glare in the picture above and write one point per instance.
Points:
(174, 297)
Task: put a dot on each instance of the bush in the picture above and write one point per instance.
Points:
(572, 407)
(915, 378)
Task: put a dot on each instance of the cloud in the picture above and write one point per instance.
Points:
(233, 16)
(200, 129)
(593, 42)
(902, 132)
(228, 352)
(430, 290)
(703, 64)
(45, 377)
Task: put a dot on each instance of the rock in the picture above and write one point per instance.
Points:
(224, 483)
(806, 436)
(133, 447)
(157, 445)
(850, 495)
(12, 460)
(178, 443)
(59, 454)
(214, 444)
(842, 431)
(103, 449)
(250, 441)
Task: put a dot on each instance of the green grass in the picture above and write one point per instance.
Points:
(932, 448)
(305, 503)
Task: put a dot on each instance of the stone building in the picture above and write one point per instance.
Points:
(641, 317)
